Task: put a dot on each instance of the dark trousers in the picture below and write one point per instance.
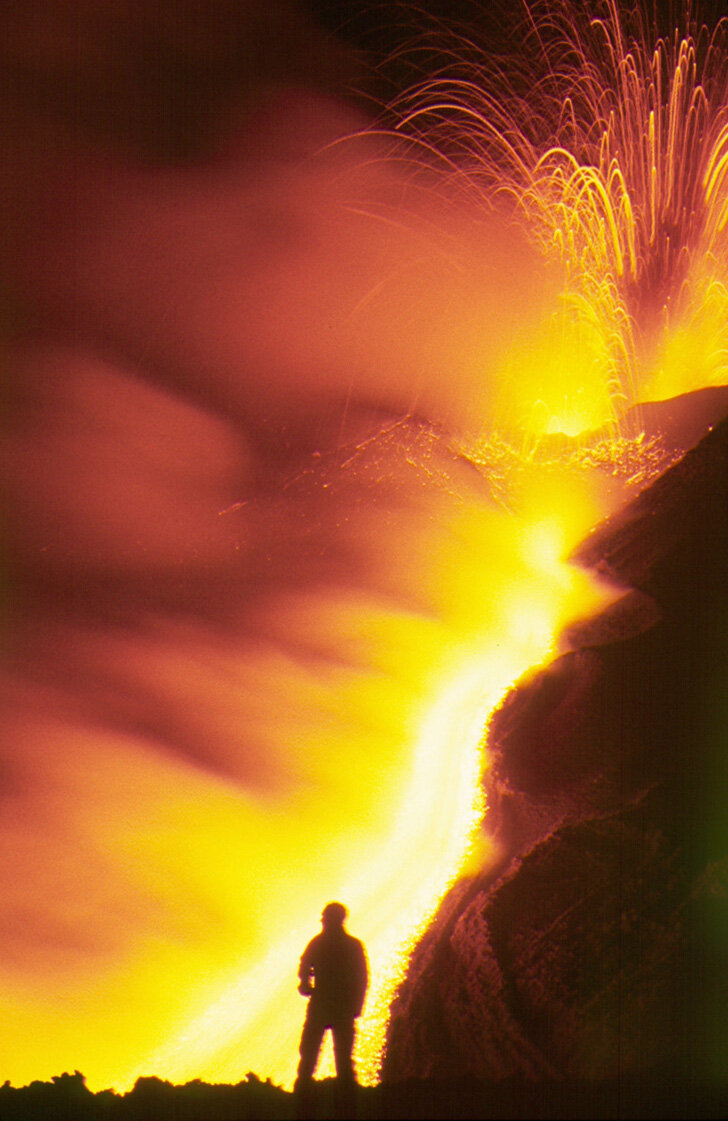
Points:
(342, 1030)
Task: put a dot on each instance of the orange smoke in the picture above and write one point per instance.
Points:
(229, 614)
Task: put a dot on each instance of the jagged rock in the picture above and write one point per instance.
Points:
(596, 947)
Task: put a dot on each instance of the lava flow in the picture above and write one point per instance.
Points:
(298, 449)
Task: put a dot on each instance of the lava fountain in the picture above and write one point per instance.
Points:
(611, 139)
(245, 681)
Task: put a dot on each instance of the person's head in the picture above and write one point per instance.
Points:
(333, 915)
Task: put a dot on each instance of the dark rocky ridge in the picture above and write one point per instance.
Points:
(66, 1098)
(596, 949)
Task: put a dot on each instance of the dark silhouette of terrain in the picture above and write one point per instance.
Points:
(66, 1098)
(595, 950)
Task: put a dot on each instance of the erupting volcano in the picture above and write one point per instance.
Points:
(310, 411)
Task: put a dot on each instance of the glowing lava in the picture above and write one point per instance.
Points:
(617, 160)
(499, 593)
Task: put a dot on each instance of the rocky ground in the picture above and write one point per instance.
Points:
(66, 1098)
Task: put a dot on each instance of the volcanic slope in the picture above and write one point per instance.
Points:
(595, 952)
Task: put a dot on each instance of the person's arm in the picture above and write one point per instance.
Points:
(305, 972)
(362, 977)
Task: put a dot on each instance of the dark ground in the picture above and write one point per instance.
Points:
(68, 1099)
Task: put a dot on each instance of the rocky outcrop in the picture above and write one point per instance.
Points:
(597, 948)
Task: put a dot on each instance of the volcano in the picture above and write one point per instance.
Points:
(593, 948)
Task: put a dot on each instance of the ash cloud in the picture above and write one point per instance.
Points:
(208, 293)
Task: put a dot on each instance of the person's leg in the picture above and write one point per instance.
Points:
(311, 1037)
(345, 1093)
(343, 1033)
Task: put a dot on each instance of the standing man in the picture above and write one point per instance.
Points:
(334, 974)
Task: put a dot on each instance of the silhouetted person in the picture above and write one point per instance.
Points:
(333, 974)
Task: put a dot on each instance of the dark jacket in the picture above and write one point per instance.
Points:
(334, 966)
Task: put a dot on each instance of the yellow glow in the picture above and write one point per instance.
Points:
(361, 697)
(503, 593)
(543, 543)
(489, 587)
(560, 381)
(619, 172)
(405, 872)
(376, 715)
(694, 353)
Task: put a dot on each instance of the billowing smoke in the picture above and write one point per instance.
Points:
(232, 332)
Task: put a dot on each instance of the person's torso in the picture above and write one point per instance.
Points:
(336, 962)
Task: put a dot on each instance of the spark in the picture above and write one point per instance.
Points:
(617, 163)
